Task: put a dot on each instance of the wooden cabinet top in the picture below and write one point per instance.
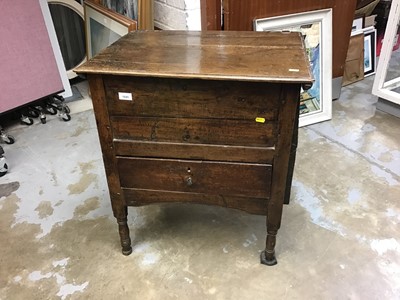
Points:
(248, 56)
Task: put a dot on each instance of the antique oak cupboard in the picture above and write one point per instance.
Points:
(200, 117)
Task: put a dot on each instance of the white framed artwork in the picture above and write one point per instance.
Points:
(358, 23)
(316, 29)
(369, 51)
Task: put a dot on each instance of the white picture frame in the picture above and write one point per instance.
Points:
(358, 23)
(369, 51)
(382, 88)
(321, 66)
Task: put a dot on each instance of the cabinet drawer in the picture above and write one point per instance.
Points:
(214, 178)
(197, 131)
(192, 98)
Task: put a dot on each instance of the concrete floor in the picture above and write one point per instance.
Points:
(340, 236)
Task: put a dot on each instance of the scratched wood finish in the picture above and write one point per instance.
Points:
(192, 98)
(140, 197)
(244, 56)
(141, 148)
(215, 178)
(199, 131)
(190, 133)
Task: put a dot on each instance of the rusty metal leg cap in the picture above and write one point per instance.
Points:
(270, 261)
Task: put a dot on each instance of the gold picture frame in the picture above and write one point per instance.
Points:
(138, 10)
(103, 27)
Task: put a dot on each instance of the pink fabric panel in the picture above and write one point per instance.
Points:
(28, 69)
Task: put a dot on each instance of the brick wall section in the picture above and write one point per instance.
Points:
(177, 14)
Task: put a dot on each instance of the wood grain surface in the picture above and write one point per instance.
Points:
(214, 178)
(192, 98)
(247, 56)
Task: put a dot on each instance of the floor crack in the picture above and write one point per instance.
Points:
(394, 175)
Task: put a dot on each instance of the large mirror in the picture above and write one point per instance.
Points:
(316, 29)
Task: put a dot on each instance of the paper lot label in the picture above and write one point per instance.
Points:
(125, 96)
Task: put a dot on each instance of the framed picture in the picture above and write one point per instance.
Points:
(139, 10)
(358, 23)
(128, 8)
(316, 29)
(104, 27)
(369, 51)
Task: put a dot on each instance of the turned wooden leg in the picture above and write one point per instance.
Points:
(268, 255)
(121, 214)
(124, 236)
(273, 224)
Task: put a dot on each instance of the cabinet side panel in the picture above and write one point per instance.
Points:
(282, 162)
(106, 142)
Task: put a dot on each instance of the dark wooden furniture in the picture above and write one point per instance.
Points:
(208, 117)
